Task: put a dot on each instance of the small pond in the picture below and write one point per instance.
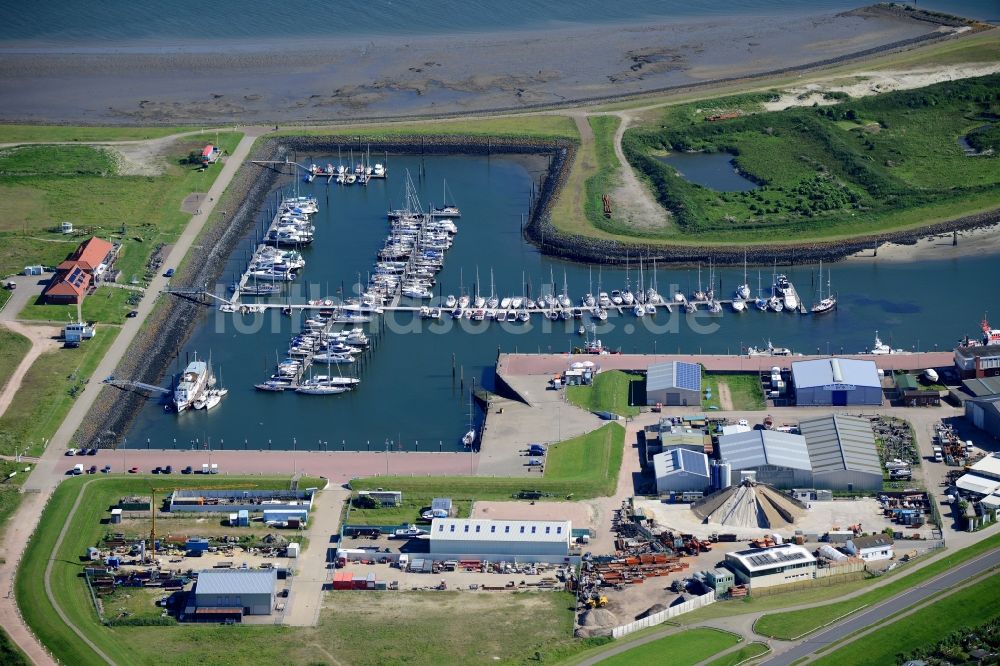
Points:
(712, 170)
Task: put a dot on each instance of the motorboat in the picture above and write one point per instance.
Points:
(409, 532)
(468, 438)
(739, 305)
(639, 310)
(603, 300)
(581, 330)
(616, 296)
(880, 348)
(191, 385)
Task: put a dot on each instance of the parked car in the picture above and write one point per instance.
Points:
(91, 452)
(81, 452)
(106, 469)
(169, 273)
(71, 452)
(534, 462)
(156, 470)
(132, 313)
(168, 469)
(536, 450)
(92, 470)
(134, 470)
(187, 470)
(11, 285)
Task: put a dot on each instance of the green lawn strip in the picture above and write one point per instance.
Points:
(139, 212)
(67, 585)
(10, 491)
(47, 392)
(13, 347)
(607, 177)
(614, 391)
(47, 161)
(965, 608)
(563, 476)
(535, 126)
(5, 295)
(681, 649)
(745, 653)
(792, 624)
(744, 390)
(408, 511)
(10, 654)
(45, 133)
(107, 305)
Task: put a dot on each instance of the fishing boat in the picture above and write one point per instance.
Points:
(828, 304)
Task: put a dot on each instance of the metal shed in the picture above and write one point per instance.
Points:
(984, 413)
(674, 383)
(495, 539)
(842, 452)
(836, 381)
(778, 458)
(251, 590)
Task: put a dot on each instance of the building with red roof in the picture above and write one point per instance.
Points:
(82, 269)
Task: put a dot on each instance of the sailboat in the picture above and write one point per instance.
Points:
(699, 295)
(828, 304)
(470, 436)
(564, 299)
(652, 295)
(492, 301)
(627, 297)
(743, 291)
(760, 301)
(588, 299)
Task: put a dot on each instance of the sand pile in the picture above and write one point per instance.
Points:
(596, 622)
(749, 505)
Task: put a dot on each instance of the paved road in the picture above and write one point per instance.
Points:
(863, 620)
(306, 595)
(49, 471)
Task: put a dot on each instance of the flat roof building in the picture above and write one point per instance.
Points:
(234, 591)
(486, 537)
(983, 478)
(767, 567)
(776, 458)
(982, 387)
(837, 382)
(681, 470)
(675, 383)
(842, 453)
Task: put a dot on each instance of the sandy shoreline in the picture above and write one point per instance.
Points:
(425, 75)
(937, 247)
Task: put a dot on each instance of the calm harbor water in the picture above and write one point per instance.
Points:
(409, 397)
(714, 170)
(112, 24)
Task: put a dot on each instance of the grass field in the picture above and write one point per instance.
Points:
(48, 391)
(613, 391)
(138, 211)
(47, 133)
(967, 607)
(433, 627)
(107, 305)
(791, 624)
(407, 512)
(536, 126)
(744, 390)
(743, 654)
(50, 161)
(681, 649)
(569, 472)
(13, 347)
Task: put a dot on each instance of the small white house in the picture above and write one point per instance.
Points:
(67, 227)
(871, 548)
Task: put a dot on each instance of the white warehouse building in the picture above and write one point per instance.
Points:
(767, 567)
(843, 453)
(836, 382)
(491, 538)
(777, 458)
(681, 470)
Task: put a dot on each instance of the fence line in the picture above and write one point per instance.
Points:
(664, 615)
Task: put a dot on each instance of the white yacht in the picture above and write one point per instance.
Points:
(191, 385)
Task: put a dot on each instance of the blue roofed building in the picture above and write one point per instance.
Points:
(681, 470)
(776, 458)
(836, 382)
(675, 384)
